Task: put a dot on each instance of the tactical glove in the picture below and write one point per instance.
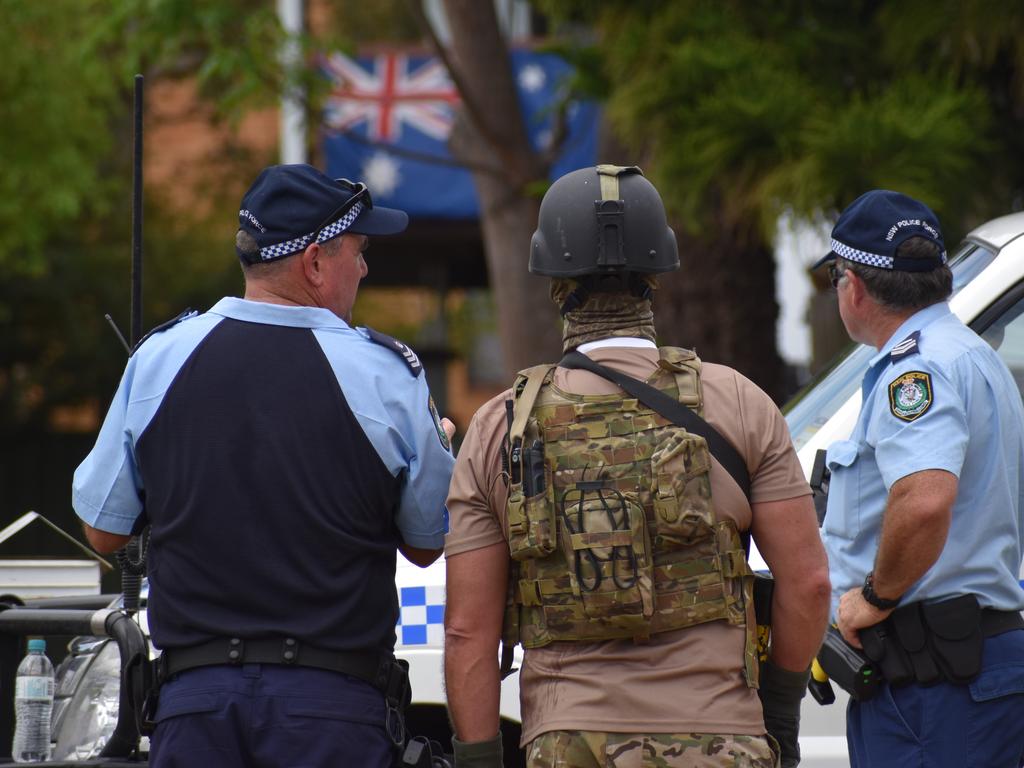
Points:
(478, 754)
(781, 692)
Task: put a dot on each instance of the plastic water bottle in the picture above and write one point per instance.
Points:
(33, 704)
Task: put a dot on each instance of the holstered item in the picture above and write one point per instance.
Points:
(764, 590)
(850, 669)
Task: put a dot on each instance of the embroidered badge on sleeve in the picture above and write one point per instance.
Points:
(910, 395)
(438, 426)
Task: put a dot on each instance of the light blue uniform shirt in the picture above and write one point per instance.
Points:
(973, 427)
(389, 403)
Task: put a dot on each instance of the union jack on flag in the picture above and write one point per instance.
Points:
(388, 117)
(392, 91)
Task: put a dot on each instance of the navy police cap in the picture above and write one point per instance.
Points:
(875, 224)
(288, 206)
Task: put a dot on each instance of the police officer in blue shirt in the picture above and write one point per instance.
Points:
(281, 456)
(924, 526)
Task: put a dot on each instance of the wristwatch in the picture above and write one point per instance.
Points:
(868, 591)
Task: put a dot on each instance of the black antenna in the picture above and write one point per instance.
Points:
(135, 332)
(132, 558)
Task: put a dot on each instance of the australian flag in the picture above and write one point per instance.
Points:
(388, 117)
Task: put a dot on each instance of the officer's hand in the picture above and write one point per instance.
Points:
(449, 427)
(478, 754)
(854, 614)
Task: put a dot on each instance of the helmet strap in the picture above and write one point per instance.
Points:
(576, 299)
(640, 287)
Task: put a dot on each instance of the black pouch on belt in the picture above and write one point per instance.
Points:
(955, 637)
(913, 636)
(883, 647)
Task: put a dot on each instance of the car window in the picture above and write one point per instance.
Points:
(1004, 331)
(815, 404)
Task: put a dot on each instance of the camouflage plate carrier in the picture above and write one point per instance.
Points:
(619, 538)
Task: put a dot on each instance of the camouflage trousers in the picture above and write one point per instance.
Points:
(591, 749)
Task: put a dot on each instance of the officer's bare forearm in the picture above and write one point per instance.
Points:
(420, 557)
(476, 584)
(104, 542)
(786, 533)
(917, 519)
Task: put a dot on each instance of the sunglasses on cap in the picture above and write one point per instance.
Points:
(835, 275)
(357, 193)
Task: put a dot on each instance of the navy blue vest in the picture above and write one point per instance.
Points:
(271, 512)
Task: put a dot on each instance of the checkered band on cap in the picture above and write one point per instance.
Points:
(299, 243)
(853, 254)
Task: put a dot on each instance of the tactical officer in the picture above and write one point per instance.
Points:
(924, 522)
(281, 457)
(591, 526)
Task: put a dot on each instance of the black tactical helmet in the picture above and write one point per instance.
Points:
(602, 220)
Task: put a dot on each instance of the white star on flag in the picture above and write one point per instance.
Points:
(381, 174)
(532, 78)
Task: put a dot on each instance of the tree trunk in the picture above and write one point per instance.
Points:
(721, 302)
(490, 138)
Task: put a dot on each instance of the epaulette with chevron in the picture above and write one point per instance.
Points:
(905, 348)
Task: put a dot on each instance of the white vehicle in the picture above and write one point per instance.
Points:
(988, 271)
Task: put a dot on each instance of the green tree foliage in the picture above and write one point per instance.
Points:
(740, 110)
(54, 131)
(66, 71)
(747, 107)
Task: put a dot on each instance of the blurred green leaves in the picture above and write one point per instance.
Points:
(750, 107)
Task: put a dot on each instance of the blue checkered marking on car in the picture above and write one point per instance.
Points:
(421, 615)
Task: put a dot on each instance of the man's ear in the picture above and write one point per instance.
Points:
(856, 287)
(311, 266)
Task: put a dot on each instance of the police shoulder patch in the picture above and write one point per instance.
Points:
(402, 350)
(910, 395)
(163, 327)
(442, 435)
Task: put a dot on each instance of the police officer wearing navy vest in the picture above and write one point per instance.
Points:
(281, 457)
(924, 526)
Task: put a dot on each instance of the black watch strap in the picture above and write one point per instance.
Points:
(868, 591)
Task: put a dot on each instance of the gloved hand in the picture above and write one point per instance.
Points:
(781, 692)
(478, 754)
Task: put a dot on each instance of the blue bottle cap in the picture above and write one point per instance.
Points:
(37, 644)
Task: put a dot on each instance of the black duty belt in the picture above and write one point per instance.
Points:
(370, 667)
(995, 622)
(384, 672)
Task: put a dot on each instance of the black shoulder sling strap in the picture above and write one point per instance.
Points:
(673, 410)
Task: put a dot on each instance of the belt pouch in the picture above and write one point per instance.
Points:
(910, 631)
(882, 647)
(955, 638)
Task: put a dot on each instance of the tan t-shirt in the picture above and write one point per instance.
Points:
(684, 681)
